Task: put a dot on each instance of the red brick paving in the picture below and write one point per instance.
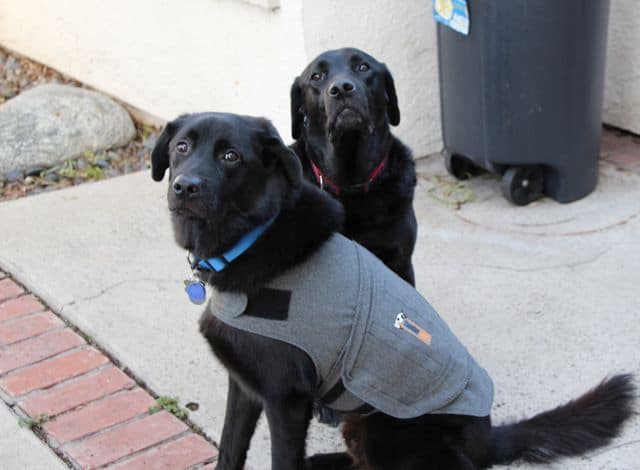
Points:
(36, 349)
(99, 415)
(182, 453)
(27, 327)
(125, 440)
(52, 371)
(9, 289)
(19, 306)
(621, 149)
(76, 392)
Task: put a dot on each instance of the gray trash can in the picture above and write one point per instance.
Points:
(521, 95)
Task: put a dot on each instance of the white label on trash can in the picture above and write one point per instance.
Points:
(452, 13)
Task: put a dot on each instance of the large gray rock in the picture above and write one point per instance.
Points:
(50, 123)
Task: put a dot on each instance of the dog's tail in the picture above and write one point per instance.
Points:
(583, 424)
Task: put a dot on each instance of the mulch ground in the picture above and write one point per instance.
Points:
(18, 74)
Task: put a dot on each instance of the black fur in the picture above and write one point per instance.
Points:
(347, 136)
(571, 429)
(279, 379)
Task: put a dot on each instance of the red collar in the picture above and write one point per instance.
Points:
(326, 183)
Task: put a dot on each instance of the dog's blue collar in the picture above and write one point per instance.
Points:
(219, 263)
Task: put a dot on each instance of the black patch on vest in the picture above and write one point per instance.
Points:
(272, 304)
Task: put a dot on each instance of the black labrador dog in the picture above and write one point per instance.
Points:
(342, 107)
(229, 175)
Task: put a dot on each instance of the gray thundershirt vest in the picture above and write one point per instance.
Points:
(366, 330)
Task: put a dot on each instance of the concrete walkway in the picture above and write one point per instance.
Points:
(21, 449)
(545, 297)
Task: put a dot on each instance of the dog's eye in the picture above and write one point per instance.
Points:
(230, 156)
(182, 146)
(363, 67)
(316, 77)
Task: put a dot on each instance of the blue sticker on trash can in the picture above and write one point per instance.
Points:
(452, 13)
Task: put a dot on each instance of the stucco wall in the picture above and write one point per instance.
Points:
(399, 33)
(167, 56)
(622, 90)
(172, 56)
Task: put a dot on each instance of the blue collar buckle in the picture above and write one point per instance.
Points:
(194, 287)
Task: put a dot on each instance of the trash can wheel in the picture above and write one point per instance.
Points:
(522, 184)
(460, 167)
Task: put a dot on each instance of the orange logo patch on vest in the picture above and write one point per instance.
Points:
(403, 322)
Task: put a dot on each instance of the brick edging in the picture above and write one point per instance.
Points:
(82, 402)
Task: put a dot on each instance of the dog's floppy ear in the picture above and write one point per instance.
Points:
(275, 151)
(297, 113)
(160, 152)
(393, 112)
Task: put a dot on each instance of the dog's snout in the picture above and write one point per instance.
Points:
(342, 87)
(185, 185)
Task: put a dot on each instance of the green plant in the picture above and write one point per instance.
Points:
(68, 170)
(34, 422)
(450, 193)
(53, 169)
(94, 173)
(93, 157)
(169, 404)
(145, 131)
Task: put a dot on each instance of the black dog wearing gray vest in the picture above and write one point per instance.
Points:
(304, 318)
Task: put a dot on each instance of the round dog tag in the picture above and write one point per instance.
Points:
(196, 291)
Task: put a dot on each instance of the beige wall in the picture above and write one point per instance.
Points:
(172, 56)
(400, 33)
(167, 56)
(622, 90)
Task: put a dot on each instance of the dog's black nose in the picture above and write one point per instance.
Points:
(341, 88)
(185, 185)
